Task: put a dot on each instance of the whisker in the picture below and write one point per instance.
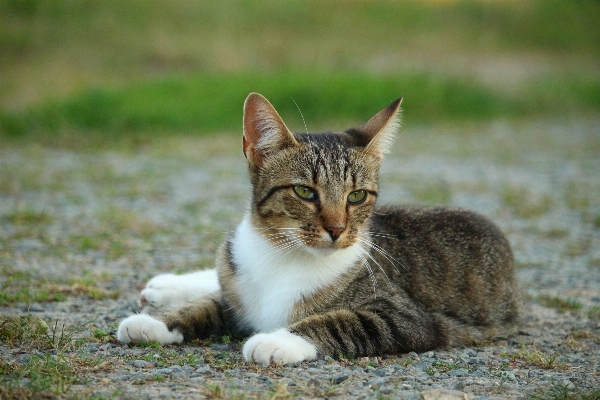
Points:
(387, 255)
(280, 250)
(383, 235)
(278, 235)
(305, 128)
(266, 228)
(371, 274)
(383, 252)
(378, 265)
(380, 213)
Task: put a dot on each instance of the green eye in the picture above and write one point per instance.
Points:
(305, 192)
(357, 196)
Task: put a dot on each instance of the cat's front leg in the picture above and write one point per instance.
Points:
(168, 291)
(196, 319)
(279, 347)
(374, 329)
(144, 328)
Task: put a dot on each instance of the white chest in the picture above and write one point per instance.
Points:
(272, 280)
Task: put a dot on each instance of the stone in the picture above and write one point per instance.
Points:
(205, 369)
(142, 364)
(386, 390)
(340, 378)
(164, 371)
(219, 347)
(35, 307)
(443, 394)
(458, 372)
(375, 383)
(421, 366)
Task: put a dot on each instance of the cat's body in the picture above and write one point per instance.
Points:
(314, 270)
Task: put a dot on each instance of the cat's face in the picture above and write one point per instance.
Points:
(313, 191)
(319, 193)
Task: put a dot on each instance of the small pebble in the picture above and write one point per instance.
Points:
(35, 307)
(205, 369)
(340, 378)
(164, 371)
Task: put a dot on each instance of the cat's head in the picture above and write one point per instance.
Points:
(314, 190)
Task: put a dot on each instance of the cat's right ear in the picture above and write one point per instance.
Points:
(264, 130)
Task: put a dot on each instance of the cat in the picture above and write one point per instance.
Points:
(314, 269)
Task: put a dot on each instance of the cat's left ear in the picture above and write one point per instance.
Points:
(264, 130)
(377, 134)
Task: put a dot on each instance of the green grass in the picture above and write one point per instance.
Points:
(27, 216)
(211, 103)
(48, 372)
(31, 332)
(156, 66)
(22, 287)
(524, 202)
(594, 313)
(560, 304)
(235, 35)
(536, 357)
(27, 331)
(46, 376)
(432, 193)
(25, 287)
(566, 392)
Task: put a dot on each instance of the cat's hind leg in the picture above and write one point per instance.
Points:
(168, 291)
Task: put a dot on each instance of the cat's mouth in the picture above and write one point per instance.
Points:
(326, 248)
(318, 244)
(324, 243)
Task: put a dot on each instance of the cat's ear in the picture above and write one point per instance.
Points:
(264, 130)
(377, 134)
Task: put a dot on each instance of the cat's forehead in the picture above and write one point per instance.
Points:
(335, 141)
(328, 145)
(331, 158)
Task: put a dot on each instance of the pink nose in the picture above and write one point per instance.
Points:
(335, 231)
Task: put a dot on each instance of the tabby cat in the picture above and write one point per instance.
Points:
(315, 270)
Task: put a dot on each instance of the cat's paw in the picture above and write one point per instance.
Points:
(145, 328)
(279, 347)
(167, 291)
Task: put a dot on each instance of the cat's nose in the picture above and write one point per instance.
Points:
(335, 231)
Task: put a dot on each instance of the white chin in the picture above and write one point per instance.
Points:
(321, 251)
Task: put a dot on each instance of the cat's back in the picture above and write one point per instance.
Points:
(462, 230)
(448, 259)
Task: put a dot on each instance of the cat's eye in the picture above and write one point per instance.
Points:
(358, 196)
(305, 193)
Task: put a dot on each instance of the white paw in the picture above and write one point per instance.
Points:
(169, 291)
(279, 347)
(148, 329)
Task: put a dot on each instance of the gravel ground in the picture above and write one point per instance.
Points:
(105, 221)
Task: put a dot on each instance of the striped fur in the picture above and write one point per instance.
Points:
(327, 276)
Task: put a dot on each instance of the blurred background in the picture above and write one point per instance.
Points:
(112, 68)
